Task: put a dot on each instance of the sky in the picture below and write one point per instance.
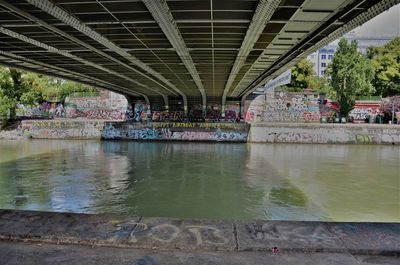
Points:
(386, 24)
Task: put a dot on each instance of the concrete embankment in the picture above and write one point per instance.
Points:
(214, 132)
(176, 131)
(62, 129)
(159, 240)
(324, 133)
(11, 135)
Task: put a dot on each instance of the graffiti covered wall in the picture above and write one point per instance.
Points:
(287, 107)
(62, 129)
(302, 108)
(107, 106)
(292, 107)
(324, 133)
(362, 110)
(179, 131)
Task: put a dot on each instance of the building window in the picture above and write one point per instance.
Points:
(323, 56)
(323, 64)
(330, 57)
(322, 72)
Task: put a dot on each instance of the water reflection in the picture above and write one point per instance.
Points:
(192, 180)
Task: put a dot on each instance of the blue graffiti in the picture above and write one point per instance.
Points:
(109, 132)
(230, 136)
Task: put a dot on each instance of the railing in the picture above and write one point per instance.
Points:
(84, 94)
(370, 98)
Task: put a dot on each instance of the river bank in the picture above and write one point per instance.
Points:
(11, 135)
(163, 240)
(309, 133)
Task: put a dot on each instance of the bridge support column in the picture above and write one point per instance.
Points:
(242, 110)
(166, 105)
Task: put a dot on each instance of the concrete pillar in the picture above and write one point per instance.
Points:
(166, 105)
(185, 106)
(242, 114)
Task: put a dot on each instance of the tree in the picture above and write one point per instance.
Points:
(6, 105)
(351, 75)
(28, 88)
(390, 105)
(303, 76)
(386, 61)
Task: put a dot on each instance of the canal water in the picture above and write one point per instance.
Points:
(203, 180)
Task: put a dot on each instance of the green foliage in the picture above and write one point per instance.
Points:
(28, 88)
(351, 75)
(303, 76)
(386, 61)
(391, 104)
(6, 105)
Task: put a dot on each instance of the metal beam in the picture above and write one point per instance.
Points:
(166, 104)
(69, 55)
(69, 74)
(262, 15)
(72, 21)
(163, 16)
(76, 40)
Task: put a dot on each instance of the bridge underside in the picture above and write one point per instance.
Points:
(202, 50)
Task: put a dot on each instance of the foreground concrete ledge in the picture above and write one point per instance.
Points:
(17, 253)
(206, 235)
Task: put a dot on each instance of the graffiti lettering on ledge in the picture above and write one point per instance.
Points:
(167, 233)
(111, 132)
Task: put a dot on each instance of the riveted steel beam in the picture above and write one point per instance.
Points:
(76, 40)
(262, 15)
(72, 21)
(51, 49)
(163, 16)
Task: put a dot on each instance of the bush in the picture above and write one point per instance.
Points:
(6, 105)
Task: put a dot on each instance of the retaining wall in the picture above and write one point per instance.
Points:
(324, 133)
(178, 131)
(214, 132)
(62, 129)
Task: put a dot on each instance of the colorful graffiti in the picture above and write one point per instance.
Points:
(141, 111)
(255, 109)
(287, 107)
(105, 114)
(168, 116)
(302, 107)
(126, 131)
(292, 107)
(362, 111)
(106, 106)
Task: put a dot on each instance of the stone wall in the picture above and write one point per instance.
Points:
(106, 106)
(62, 129)
(324, 133)
(178, 131)
(307, 107)
(288, 107)
(214, 132)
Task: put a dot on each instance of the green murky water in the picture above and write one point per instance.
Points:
(195, 180)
